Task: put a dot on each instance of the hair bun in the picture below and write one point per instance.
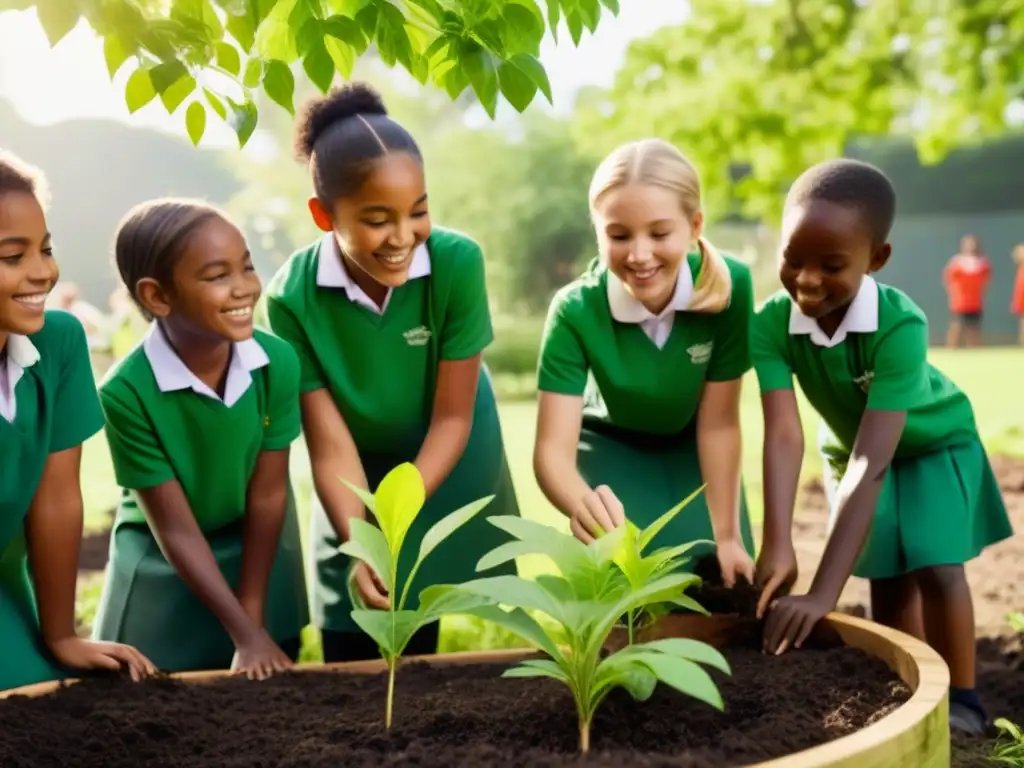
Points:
(351, 99)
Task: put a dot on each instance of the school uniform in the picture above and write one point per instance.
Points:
(164, 424)
(380, 366)
(642, 377)
(939, 504)
(48, 404)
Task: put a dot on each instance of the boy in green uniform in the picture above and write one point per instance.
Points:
(914, 497)
(389, 317)
(48, 408)
(641, 365)
(206, 564)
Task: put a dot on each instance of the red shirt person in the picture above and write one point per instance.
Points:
(966, 278)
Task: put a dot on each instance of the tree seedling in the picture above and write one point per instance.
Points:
(396, 504)
(586, 601)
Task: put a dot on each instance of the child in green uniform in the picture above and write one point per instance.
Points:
(914, 495)
(389, 316)
(48, 408)
(206, 565)
(641, 365)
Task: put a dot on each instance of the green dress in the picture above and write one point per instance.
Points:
(163, 424)
(939, 503)
(56, 409)
(381, 369)
(642, 389)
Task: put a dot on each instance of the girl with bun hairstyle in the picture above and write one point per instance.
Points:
(389, 316)
(641, 364)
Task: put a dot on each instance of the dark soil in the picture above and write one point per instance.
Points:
(444, 717)
(997, 587)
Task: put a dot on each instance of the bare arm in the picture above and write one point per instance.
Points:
(266, 502)
(781, 461)
(182, 541)
(451, 421)
(559, 421)
(719, 448)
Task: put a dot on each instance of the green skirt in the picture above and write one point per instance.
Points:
(146, 604)
(650, 474)
(942, 508)
(482, 471)
(25, 659)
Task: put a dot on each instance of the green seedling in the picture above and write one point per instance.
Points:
(398, 500)
(1009, 749)
(1016, 621)
(585, 602)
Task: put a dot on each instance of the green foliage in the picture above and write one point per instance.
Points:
(586, 601)
(488, 46)
(1009, 749)
(756, 92)
(395, 505)
(1016, 621)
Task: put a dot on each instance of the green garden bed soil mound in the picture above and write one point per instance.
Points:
(447, 716)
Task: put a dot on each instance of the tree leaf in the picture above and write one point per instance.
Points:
(279, 84)
(611, 5)
(215, 103)
(392, 40)
(319, 65)
(554, 17)
(483, 76)
(242, 29)
(367, 543)
(228, 58)
(174, 95)
(139, 90)
(516, 86)
(114, 53)
(522, 28)
(399, 499)
(391, 630)
(574, 21)
(347, 31)
(195, 121)
(342, 55)
(590, 13)
(253, 72)
(533, 69)
(276, 36)
(242, 118)
(57, 18)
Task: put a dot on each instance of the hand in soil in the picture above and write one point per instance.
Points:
(791, 620)
(734, 561)
(776, 573)
(370, 587)
(77, 653)
(597, 512)
(260, 658)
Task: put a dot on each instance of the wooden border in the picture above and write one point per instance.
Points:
(916, 734)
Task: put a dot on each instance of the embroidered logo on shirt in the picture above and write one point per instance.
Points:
(266, 421)
(864, 380)
(700, 353)
(417, 337)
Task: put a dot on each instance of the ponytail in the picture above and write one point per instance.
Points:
(713, 289)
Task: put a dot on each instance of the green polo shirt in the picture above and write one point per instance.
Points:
(625, 378)
(163, 425)
(381, 367)
(878, 359)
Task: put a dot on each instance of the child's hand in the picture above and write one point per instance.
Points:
(597, 513)
(776, 572)
(791, 619)
(77, 653)
(370, 587)
(734, 561)
(260, 657)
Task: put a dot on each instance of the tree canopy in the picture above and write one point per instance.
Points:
(217, 55)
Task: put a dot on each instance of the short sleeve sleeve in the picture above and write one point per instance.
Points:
(283, 422)
(77, 413)
(768, 333)
(467, 319)
(730, 358)
(900, 376)
(139, 459)
(562, 367)
(284, 323)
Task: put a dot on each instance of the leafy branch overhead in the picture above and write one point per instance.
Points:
(215, 55)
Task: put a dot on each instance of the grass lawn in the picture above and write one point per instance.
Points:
(991, 377)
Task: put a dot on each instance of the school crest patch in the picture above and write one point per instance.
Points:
(417, 337)
(864, 380)
(700, 353)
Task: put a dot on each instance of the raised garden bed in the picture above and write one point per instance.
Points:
(860, 695)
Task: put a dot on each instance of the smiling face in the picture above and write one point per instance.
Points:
(28, 271)
(380, 226)
(644, 236)
(825, 251)
(214, 287)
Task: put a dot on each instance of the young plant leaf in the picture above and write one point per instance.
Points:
(683, 675)
(516, 592)
(648, 534)
(685, 648)
(392, 630)
(538, 669)
(520, 623)
(446, 526)
(399, 498)
(367, 543)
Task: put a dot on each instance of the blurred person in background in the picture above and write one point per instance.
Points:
(1017, 302)
(966, 278)
(67, 296)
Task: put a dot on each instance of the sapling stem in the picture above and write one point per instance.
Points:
(392, 663)
(584, 736)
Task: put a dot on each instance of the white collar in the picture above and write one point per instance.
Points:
(21, 354)
(861, 317)
(626, 309)
(331, 273)
(21, 351)
(172, 374)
